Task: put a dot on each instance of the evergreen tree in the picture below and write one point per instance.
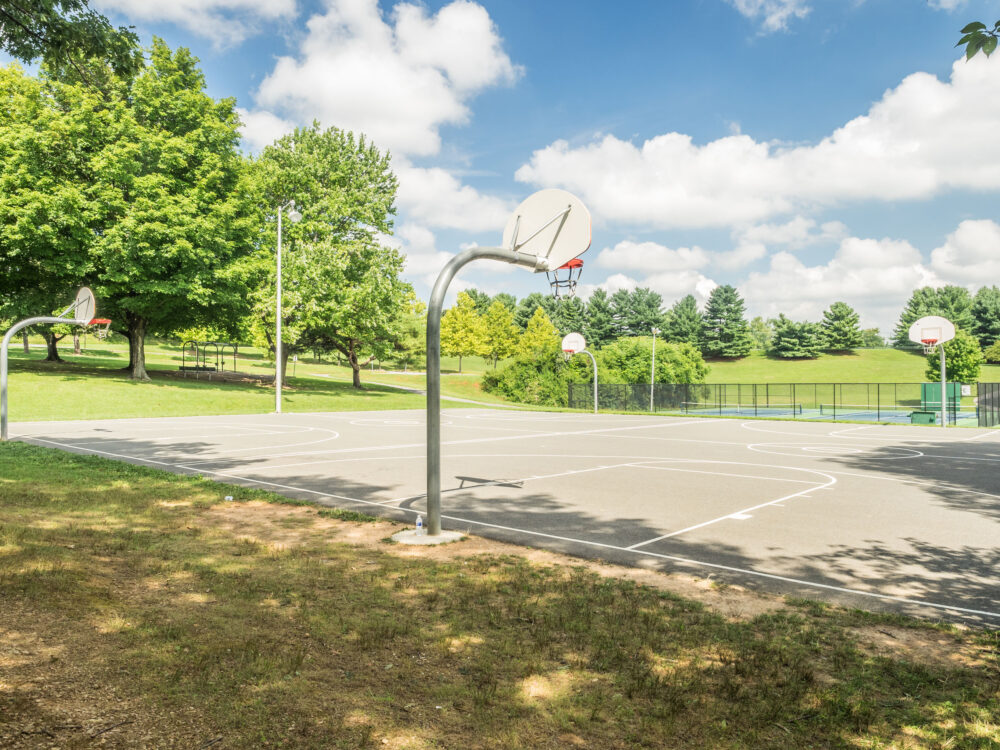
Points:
(986, 313)
(841, 328)
(526, 309)
(871, 338)
(572, 316)
(683, 322)
(462, 329)
(793, 340)
(482, 300)
(508, 300)
(500, 334)
(951, 302)
(621, 301)
(644, 312)
(600, 321)
(725, 332)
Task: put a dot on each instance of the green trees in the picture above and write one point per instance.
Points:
(500, 333)
(526, 309)
(482, 300)
(66, 33)
(540, 339)
(571, 316)
(951, 302)
(986, 315)
(342, 289)
(725, 333)
(462, 330)
(793, 340)
(538, 374)
(841, 328)
(600, 320)
(963, 358)
(629, 360)
(173, 216)
(683, 322)
(761, 331)
(977, 37)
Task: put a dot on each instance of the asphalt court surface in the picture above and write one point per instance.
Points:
(884, 517)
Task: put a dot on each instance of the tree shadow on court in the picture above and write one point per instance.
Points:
(963, 476)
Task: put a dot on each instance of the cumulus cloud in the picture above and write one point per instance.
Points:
(651, 257)
(435, 197)
(970, 254)
(922, 138)
(670, 286)
(946, 4)
(751, 243)
(261, 129)
(223, 21)
(397, 78)
(774, 15)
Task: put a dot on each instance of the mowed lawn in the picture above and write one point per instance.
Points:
(93, 386)
(863, 366)
(140, 609)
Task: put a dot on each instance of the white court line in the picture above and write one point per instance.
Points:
(644, 465)
(816, 486)
(584, 542)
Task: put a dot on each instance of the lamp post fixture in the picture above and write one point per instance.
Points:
(295, 217)
(652, 373)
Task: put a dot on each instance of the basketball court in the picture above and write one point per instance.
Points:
(884, 517)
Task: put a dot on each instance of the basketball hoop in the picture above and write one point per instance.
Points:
(563, 280)
(100, 328)
(929, 345)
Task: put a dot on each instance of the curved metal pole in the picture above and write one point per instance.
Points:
(3, 364)
(434, 309)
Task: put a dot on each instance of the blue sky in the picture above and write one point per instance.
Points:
(806, 151)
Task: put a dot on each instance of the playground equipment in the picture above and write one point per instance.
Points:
(198, 352)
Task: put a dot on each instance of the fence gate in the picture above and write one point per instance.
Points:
(989, 404)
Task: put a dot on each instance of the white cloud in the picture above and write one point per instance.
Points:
(223, 21)
(946, 4)
(397, 79)
(922, 138)
(436, 198)
(753, 242)
(970, 254)
(670, 286)
(261, 129)
(774, 14)
(651, 257)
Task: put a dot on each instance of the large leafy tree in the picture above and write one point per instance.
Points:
(841, 328)
(986, 315)
(540, 339)
(725, 332)
(500, 333)
(67, 34)
(462, 333)
(48, 135)
(599, 329)
(794, 340)
(411, 346)
(346, 191)
(683, 322)
(951, 302)
(629, 360)
(173, 205)
(978, 37)
(962, 359)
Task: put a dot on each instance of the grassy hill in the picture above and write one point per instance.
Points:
(864, 366)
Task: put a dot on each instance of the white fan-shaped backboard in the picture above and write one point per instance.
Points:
(84, 309)
(573, 342)
(550, 224)
(932, 328)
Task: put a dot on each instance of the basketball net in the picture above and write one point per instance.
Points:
(928, 345)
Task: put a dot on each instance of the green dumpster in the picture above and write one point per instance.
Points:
(923, 417)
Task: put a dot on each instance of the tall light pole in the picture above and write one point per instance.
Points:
(652, 373)
(295, 218)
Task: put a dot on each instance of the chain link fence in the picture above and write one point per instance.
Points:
(901, 403)
(989, 404)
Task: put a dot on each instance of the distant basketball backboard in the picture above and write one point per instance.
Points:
(932, 330)
(573, 343)
(551, 224)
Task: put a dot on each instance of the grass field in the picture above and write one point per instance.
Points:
(92, 386)
(141, 610)
(864, 366)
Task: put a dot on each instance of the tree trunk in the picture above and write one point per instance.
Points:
(284, 363)
(136, 347)
(24, 342)
(459, 364)
(53, 352)
(352, 357)
(76, 342)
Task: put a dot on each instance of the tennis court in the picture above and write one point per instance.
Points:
(885, 517)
